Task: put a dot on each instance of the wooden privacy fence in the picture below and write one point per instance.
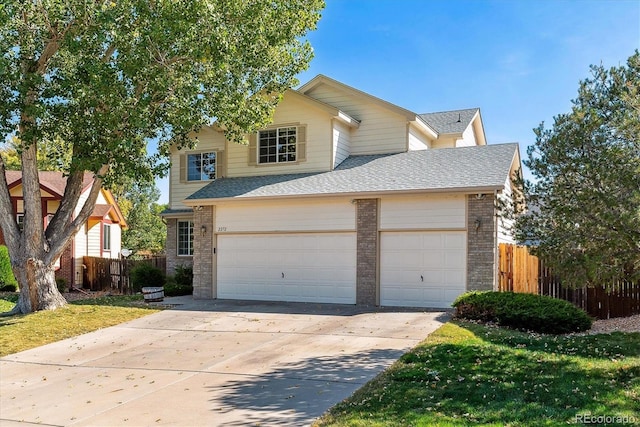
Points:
(106, 274)
(525, 273)
(518, 270)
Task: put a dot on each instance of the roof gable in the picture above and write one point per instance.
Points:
(321, 79)
(51, 181)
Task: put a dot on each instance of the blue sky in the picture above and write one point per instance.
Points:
(520, 61)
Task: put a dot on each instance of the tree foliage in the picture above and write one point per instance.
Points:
(584, 205)
(146, 231)
(108, 76)
(52, 155)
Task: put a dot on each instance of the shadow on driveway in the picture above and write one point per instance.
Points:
(298, 393)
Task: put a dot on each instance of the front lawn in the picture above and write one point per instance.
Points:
(18, 333)
(469, 374)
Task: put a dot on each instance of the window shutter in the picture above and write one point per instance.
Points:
(183, 168)
(221, 164)
(253, 149)
(301, 154)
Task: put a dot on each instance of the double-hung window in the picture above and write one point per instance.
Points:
(201, 166)
(185, 238)
(277, 145)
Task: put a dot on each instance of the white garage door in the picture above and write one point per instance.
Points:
(422, 269)
(313, 267)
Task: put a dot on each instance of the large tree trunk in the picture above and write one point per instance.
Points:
(38, 289)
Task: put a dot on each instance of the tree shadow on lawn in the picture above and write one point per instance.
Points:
(296, 393)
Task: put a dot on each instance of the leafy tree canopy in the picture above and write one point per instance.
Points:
(52, 155)
(106, 77)
(584, 204)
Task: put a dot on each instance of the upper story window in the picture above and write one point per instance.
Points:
(277, 145)
(20, 221)
(201, 166)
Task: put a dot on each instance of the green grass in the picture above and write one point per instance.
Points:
(468, 374)
(18, 333)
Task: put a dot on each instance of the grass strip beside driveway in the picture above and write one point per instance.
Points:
(19, 333)
(468, 374)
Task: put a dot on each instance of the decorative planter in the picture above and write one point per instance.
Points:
(153, 294)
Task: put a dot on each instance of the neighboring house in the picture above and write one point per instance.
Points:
(345, 198)
(101, 234)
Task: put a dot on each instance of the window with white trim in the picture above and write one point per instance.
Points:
(20, 221)
(201, 166)
(277, 145)
(185, 238)
(106, 237)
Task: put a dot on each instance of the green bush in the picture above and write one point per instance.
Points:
(8, 281)
(536, 313)
(184, 275)
(172, 289)
(61, 282)
(144, 275)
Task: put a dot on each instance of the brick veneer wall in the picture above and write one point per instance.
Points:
(367, 255)
(67, 266)
(481, 243)
(171, 248)
(203, 253)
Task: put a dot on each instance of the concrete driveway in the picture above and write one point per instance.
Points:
(209, 363)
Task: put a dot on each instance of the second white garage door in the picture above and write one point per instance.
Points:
(307, 267)
(422, 269)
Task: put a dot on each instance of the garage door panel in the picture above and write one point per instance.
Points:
(317, 267)
(429, 271)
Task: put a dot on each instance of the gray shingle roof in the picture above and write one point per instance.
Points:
(455, 121)
(464, 168)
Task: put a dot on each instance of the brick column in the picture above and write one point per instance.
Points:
(367, 255)
(481, 243)
(203, 253)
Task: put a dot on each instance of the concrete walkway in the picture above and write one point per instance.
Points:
(209, 363)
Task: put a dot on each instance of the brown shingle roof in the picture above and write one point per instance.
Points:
(53, 181)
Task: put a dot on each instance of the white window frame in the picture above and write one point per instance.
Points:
(203, 176)
(189, 238)
(106, 237)
(20, 221)
(282, 146)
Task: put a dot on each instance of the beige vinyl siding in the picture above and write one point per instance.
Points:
(416, 140)
(381, 130)
(505, 234)
(444, 142)
(468, 138)
(116, 240)
(292, 111)
(208, 140)
(286, 215)
(94, 240)
(341, 142)
(79, 250)
(422, 212)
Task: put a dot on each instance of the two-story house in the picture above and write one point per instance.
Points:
(345, 198)
(101, 234)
